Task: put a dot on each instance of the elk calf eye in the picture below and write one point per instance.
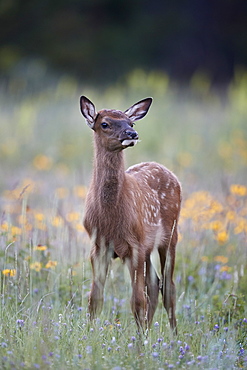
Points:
(104, 125)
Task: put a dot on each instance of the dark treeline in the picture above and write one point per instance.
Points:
(103, 39)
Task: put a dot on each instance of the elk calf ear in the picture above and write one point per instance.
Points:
(88, 111)
(139, 110)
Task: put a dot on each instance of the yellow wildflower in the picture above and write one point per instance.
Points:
(79, 227)
(73, 216)
(42, 163)
(5, 226)
(40, 247)
(225, 268)
(222, 237)
(221, 259)
(238, 190)
(15, 230)
(80, 191)
(39, 216)
(51, 264)
(216, 206)
(57, 221)
(36, 266)
(241, 226)
(230, 215)
(9, 272)
(215, 225)
(204, 258)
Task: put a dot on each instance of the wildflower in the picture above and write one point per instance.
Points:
(15, 230)
(57, 221)
(36, 266)
(89, 349)
(79, 227)
(20, 323)
(225, 268)
(204, 258)
(51, 264)
(221, 259)
(239, 190)
(73, 216)
(40, 247)
(42, 163)
(80, 191)
(241, 226)
(215, 225)
(225, 276)
(156, 324)
(5, 226)
(222, 237)
(155, 354)
(39, 216)
(9, 272)
(230, 215)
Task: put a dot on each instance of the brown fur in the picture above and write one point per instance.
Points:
(129, 214)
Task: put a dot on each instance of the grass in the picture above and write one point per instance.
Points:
(46, 161)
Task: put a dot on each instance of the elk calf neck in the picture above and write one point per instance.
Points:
(129, 214)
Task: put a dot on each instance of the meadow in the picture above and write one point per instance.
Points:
(46, 160)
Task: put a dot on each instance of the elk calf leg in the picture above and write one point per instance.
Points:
(169, 292)
(152, 291)
(145, 291)
(100, 265)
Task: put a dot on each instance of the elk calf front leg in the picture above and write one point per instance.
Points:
(138, 298)
(100, 262)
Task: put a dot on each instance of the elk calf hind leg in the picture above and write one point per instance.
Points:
(152, 291)
(169, 291)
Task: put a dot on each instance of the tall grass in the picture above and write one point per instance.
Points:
(46, 161)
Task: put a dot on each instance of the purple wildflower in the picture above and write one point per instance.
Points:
(20, 323)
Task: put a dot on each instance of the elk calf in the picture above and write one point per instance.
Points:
(129, 214)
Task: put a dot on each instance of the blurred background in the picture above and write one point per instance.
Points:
(103, 40)
(191, 56)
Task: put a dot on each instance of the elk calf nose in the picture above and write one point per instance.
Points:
(131, 134)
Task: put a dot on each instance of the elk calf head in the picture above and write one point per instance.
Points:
(113, 127)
